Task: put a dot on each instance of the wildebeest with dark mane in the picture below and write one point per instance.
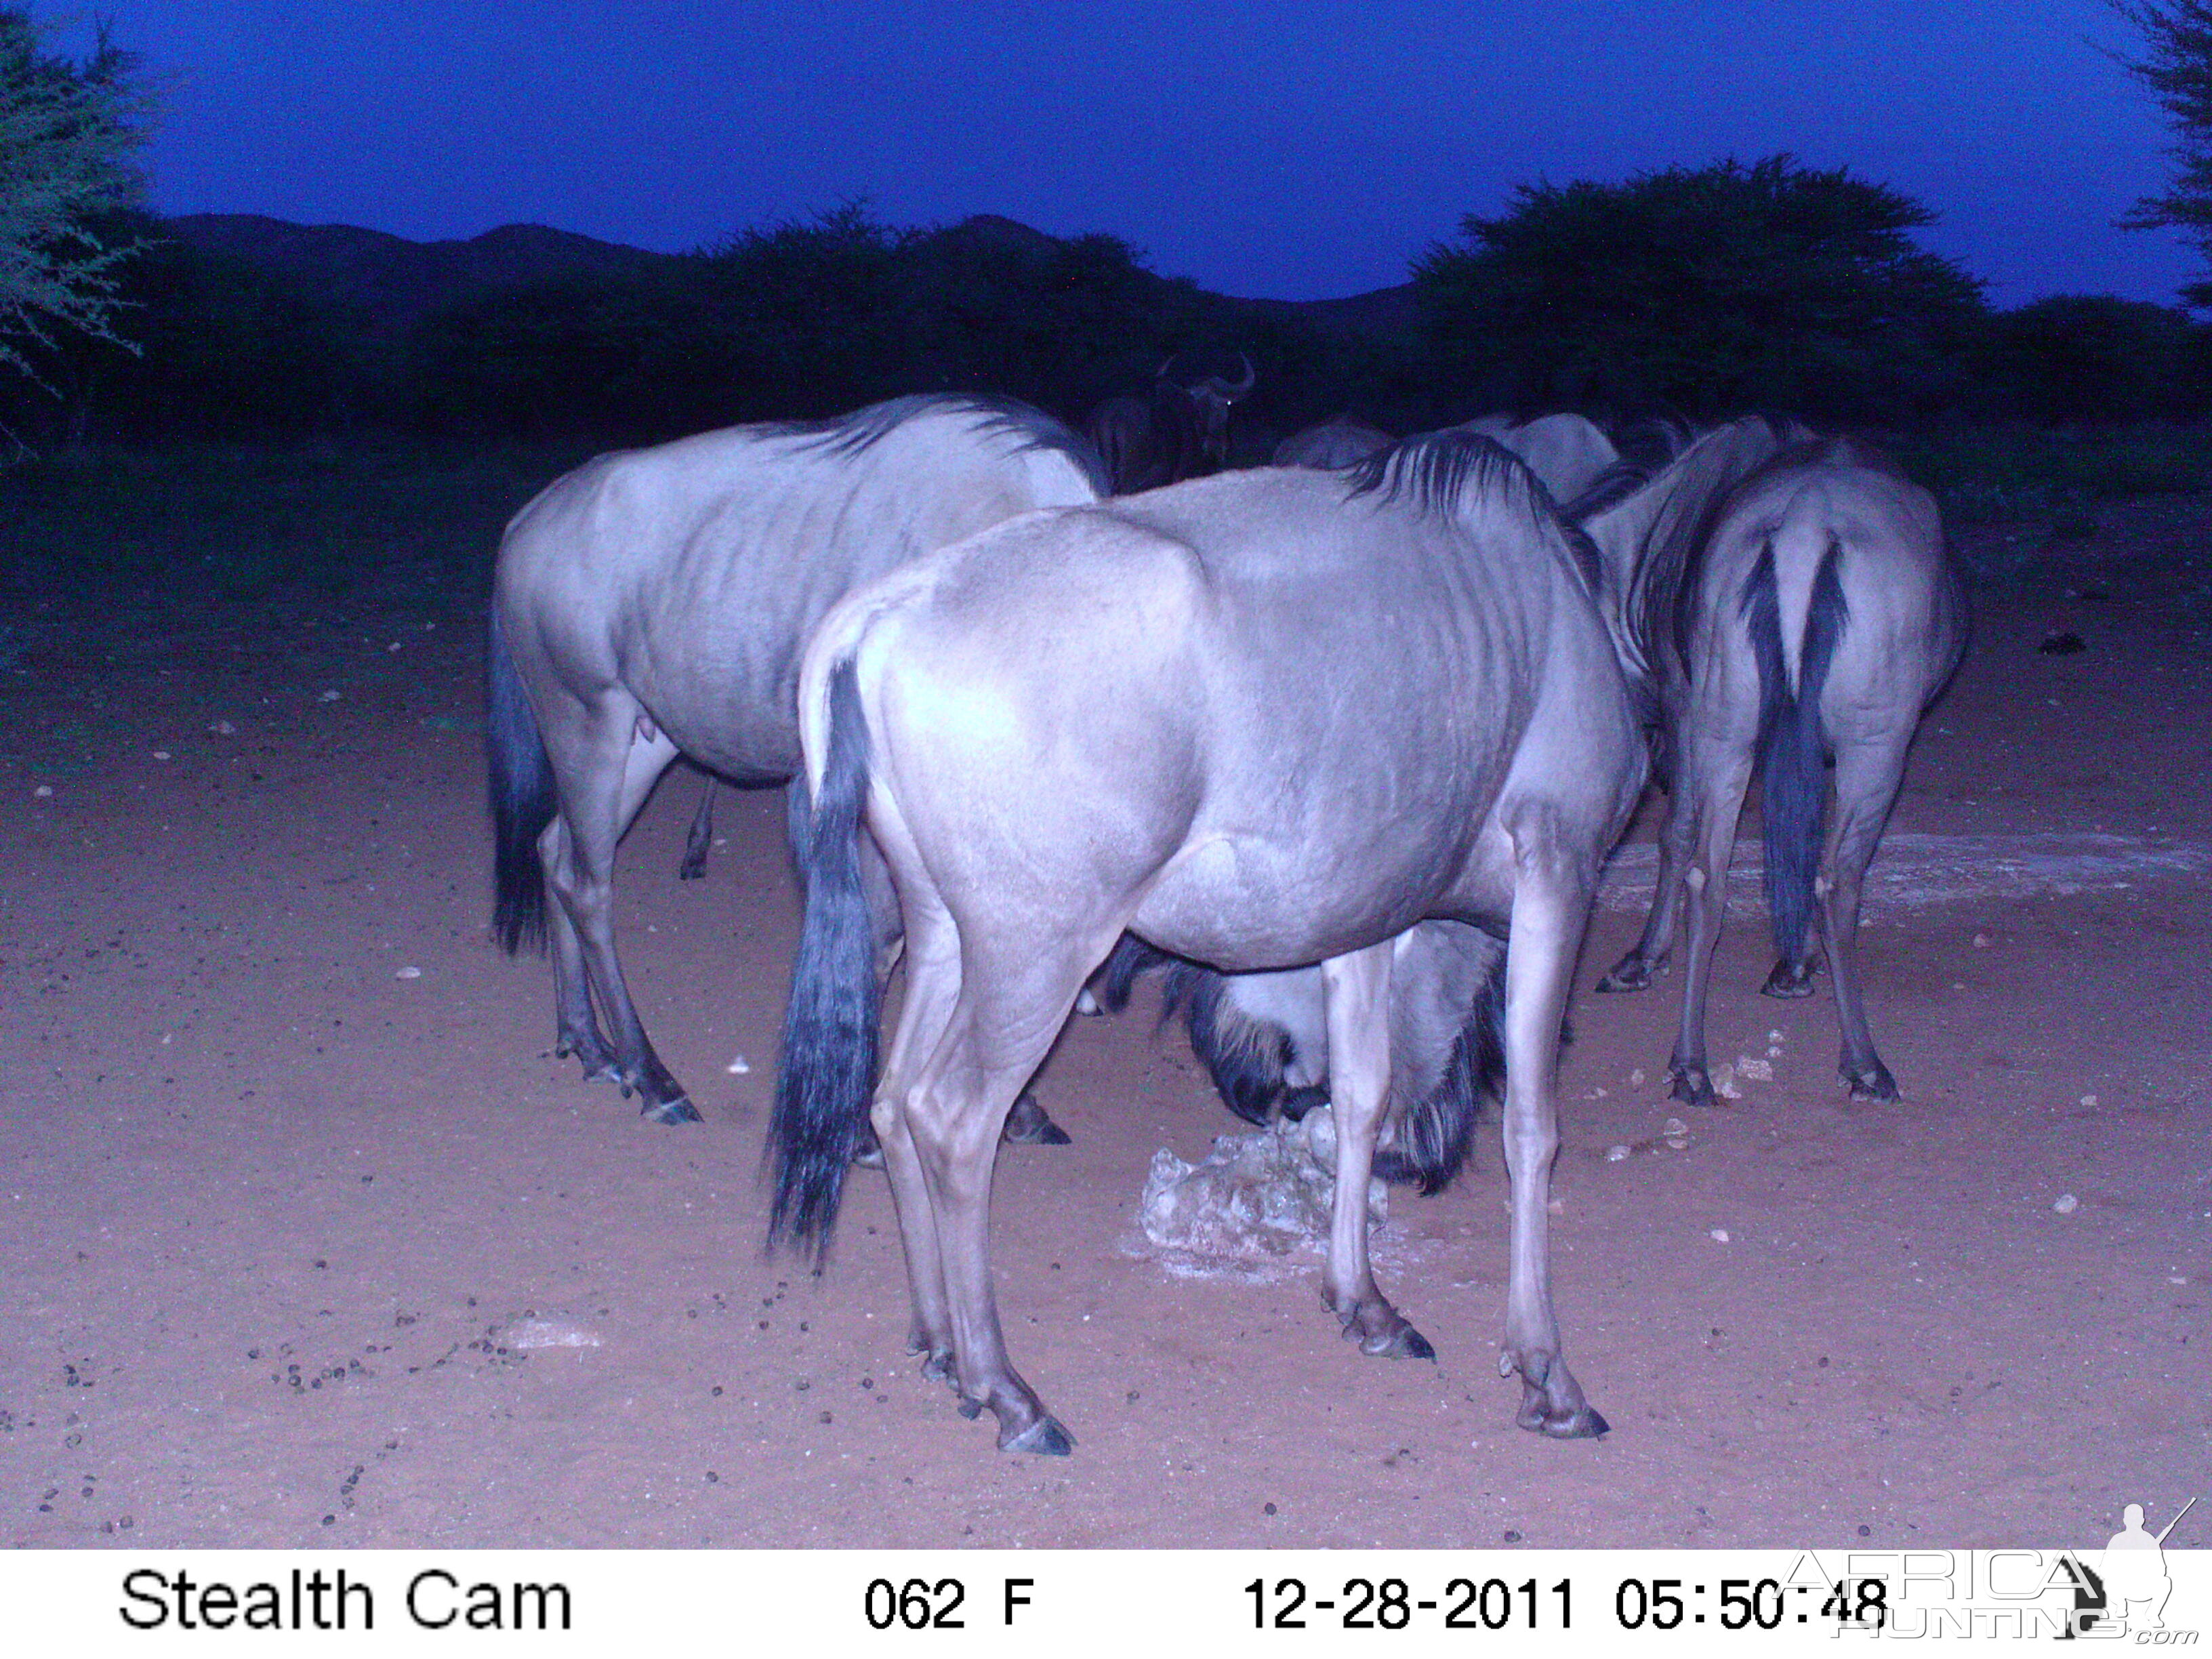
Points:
(1798, 606)
(1180, 429)
(655, 603)
(1271, 718)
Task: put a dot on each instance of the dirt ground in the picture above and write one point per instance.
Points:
(290, 1184)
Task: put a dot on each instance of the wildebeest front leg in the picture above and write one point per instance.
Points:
(1551, 908)
(1868, 774)
(1356, 988)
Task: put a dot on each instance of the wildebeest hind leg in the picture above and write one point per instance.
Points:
(605, 769)
(1357, 988)
(576, 1027)
(700, 837)
(1721, 772)
(1008, 1014)
(1868, 774)
(932, 993)
(1634, 970)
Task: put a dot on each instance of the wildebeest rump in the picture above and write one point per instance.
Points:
(1809, 612)
(655, 603)
(1271, 718)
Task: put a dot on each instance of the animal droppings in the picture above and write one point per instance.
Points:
(222, 729)
(738, 1067)
(44, 792)
(409, 972)
(1614, 1153)
(2066, 1204)
(1981, 941)
(1719, 1235)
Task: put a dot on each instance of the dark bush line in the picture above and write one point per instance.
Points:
(1686, 293)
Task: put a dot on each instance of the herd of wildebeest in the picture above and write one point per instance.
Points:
(1338, 745)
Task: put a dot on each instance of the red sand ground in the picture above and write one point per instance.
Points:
(269, 1209)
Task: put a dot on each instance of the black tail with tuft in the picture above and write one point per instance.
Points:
(1431, 1143)
(1793, 749)
(523, 802)
(828, 1072)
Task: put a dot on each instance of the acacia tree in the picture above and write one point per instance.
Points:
(2177, 66)
(1701, 291)
(69, 136)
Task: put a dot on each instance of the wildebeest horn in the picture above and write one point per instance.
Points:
(1244, 387)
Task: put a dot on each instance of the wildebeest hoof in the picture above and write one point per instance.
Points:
(1631, 972)
(1871, 1083)
(936, 1365)
(970, 1409)
(678, 1110)
(1086, 1005)
(1789, 980)
(1581, 1421)
(1693, 1085)
(1028, 1125)
(1405, 1343)
(1045, 1437)
(593, 1056)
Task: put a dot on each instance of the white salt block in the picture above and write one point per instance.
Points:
(2066, 1204)
(409, 972)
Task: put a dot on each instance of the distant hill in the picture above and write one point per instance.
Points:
(394, 280)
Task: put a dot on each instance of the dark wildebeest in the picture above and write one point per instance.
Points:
(1807, 611)
(1181, 430)
(1337, 442)
(655, 603)
(1275, 717)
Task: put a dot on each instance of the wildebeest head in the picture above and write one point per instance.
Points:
(1209, 392)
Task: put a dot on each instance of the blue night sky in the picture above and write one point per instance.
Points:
(1294, 149)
